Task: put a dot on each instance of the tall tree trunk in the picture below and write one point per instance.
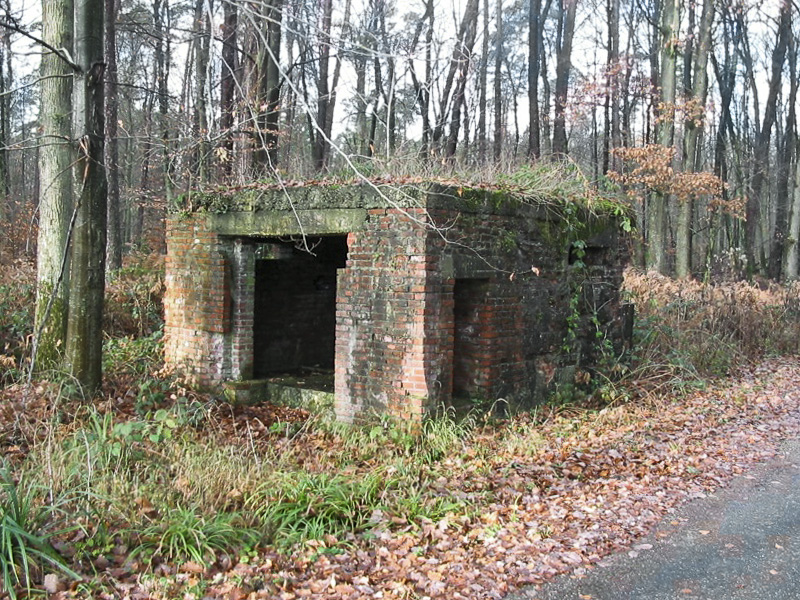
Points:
(482, 82)
(792, 255)
(162, 56)
(691, 155)
(227, 91)
(782, 237)
(544, 115)
(326, 90)
(7, 102)
(202, 55)
(114, 249)
(421, 91)
(266, 155)
(534, 50)
(656, 253)
(563, 68)
(6, 87)
(55, 198)
(462, 57)
(459, 63)
(497, 152)
(321, 145)
(763, 140)
(360, 67)
(389, 90)
(611, 132)
(84, 343)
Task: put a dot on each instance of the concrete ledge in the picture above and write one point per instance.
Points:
(281, 223)
(262, 390)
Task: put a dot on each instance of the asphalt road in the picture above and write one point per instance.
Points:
(742, 542)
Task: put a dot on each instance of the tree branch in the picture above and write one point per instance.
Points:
(62, 53)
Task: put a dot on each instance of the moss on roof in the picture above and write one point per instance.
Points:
(542, 186)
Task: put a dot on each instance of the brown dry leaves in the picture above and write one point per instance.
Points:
(651, 168)
(591, 483)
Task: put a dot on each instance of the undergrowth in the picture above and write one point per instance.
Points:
(26, 529)
(132, 319)
(688, 331)
(152, 474)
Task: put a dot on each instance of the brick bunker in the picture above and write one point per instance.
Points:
(410, 296)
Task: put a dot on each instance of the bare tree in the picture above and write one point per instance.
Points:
(762, 145)
(229, 70)
(458, 72)
(497, 151)
(55, 200)
(566, 31)
(656, 251)
(696, 94)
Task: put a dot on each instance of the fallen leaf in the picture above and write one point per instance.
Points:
(51, 583)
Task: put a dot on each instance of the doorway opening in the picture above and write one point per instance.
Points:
(471, 346)
(294, 317)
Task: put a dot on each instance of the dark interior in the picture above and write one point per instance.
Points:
(469, 303)
(294, 324)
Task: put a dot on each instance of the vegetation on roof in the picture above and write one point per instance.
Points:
(541, 184)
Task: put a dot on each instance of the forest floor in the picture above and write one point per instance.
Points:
(155, 491)
(539, 499)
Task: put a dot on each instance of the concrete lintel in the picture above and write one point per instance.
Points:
(325, 221)
(471, 267)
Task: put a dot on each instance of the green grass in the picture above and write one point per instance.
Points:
(306, 506)
(184, 534)
(26, 528)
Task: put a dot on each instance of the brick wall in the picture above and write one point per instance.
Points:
(208, 303)
(430, 302)
(390, 336)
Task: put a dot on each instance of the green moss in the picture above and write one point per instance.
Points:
(50, 346)
(546, 192)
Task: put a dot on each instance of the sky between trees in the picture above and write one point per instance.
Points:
(225, 92)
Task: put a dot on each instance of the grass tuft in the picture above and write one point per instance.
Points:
(309, 506)
(25, 549)
(187, 535)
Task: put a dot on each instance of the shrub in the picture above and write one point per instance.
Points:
(133, 306)
(17, 302)
(688, 330)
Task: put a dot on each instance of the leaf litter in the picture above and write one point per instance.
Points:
(592, 483)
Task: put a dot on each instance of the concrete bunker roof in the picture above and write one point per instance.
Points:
(504, 196)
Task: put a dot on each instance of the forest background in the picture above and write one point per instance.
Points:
(686, 107)
(111, 112)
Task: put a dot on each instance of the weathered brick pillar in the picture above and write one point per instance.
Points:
(242, 285)
(208, 304)
(393, 321)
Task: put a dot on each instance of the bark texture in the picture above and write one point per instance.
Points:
(55, 200)
(84, 344)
